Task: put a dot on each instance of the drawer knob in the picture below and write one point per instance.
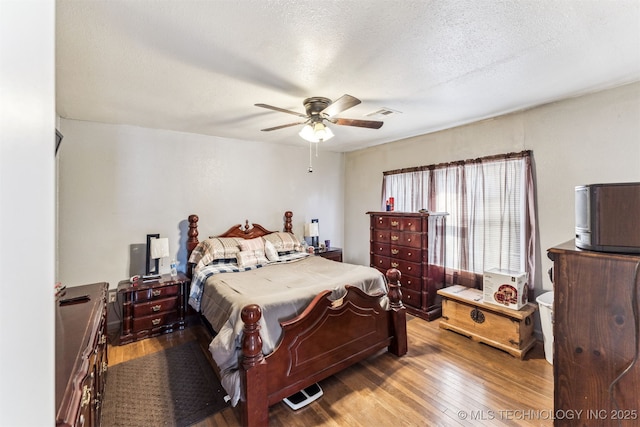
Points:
(395, 251)
(409, 268)
(394, 223)
(156, 292)
(380, 261)
(408, 240)
(156, 308)
(155, 322)
(395, 265)
(395, 238)
(409, 254)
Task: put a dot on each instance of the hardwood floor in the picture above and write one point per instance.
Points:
(444, 380)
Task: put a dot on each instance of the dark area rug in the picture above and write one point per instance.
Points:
(174, 387)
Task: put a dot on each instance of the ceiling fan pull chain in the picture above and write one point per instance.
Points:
(310, 157)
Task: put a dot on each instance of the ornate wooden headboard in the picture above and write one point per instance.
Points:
(246, 231)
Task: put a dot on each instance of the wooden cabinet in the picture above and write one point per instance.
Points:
(334, 254)
(153, 307)
(414, 244)
(595, 337)
(81, 354)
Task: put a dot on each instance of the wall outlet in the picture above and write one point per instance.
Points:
(112, 296)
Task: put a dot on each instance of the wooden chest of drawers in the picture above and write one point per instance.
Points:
(414, 244)
(153, 308)
(81, 355)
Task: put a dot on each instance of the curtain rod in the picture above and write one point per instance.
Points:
(514, 155)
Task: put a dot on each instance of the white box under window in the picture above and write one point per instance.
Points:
(505, 288)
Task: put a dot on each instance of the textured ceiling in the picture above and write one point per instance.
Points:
(200, 66)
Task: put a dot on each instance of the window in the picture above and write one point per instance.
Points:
(490, 204)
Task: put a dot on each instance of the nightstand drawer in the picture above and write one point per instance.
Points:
(155, 306)
(155, 321)
(155, 293)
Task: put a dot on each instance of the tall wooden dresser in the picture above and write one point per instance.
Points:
(414, 243)
(81, 354)
(595, 337)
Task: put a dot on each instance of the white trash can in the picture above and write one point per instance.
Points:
(545, 305)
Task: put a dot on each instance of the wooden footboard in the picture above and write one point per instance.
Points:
(326, 338)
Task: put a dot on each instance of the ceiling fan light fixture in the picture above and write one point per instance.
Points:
(316, 132)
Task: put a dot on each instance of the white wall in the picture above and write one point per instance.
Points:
(27, 123)
(119, 183)
(590, 139)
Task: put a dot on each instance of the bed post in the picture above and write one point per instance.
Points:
(254, 410)
(287, 221)
(398, 318)
(192, 240)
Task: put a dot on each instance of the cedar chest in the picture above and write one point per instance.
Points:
(464, 312)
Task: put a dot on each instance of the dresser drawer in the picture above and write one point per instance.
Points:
(411, 282)
(406, 254)
(155, 306)
(412, 298)
(381, 222)
(154, 293)
(405, 224)
(398, 252)
(382, 249)
(155, 321)
(405, 267)
(380, 236)
(406, 238)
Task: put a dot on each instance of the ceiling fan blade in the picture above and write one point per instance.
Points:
(282, 110)
(339, 105)
(282, 126)
(371, 124)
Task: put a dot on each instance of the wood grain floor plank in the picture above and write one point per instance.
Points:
(445, 379)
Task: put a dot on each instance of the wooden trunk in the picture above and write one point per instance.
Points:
(464, 312)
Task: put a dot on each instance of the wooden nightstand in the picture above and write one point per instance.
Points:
(334, 254)
(153, 307)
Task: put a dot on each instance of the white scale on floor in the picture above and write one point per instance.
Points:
(303, 397)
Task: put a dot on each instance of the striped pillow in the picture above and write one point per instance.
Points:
(250, 258)
(212, 249)
(256, 244)
(283, 242)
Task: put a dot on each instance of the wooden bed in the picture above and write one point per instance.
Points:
(327, 337)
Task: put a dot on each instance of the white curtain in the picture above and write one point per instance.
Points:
(490, 202)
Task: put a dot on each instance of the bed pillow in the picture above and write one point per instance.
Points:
(283, 242)
(214, 249)
(270, 251)
(256, 244)
(251, 258)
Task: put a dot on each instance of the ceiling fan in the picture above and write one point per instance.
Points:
(319, 110)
